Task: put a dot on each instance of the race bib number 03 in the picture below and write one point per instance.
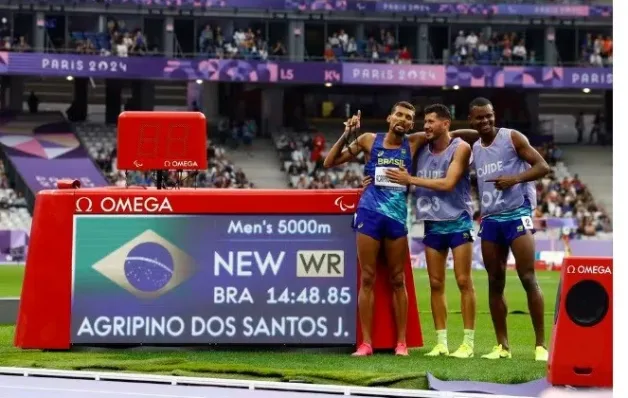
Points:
(381, 180)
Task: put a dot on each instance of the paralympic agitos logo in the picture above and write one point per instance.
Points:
(138, 204)
(343, 206)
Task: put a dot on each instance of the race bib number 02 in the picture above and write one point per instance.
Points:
(527, 222)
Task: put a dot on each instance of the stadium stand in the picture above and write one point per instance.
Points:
(597, 50)
(501, 48)
(15, 222)
(468, 47)
(117, 40)
(301, 156)
(380, 46)
(13, 212)
(594, 166)
(247, 43)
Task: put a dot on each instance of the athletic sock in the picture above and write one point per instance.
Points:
(469, 337)
(441, 337)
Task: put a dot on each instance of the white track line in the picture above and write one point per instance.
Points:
(136, 394)
(236, 383)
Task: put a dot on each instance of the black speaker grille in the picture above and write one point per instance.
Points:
(587, 303)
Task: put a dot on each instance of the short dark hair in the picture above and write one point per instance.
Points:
(403, 104)
(440, 110)
(479, 101)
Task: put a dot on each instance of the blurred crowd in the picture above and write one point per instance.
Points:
(468, 48)
(561, 195)
(501, 48)
(8, 42)
(597, 50)
(233, 133)
(121, 41)
(9, 198)
(244, 43)
(4, 182)
(20, 45)
(13, 216)
(118, 40)
(471, 48)
(302, 157)
(383, 47)
(569, 197)
(221, 173)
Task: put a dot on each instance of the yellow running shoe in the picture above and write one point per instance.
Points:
(498, 353)
(463, 352)
(541, 354)
(438, 350)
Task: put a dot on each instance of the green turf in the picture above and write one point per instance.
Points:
(11, 280)
(338, 368)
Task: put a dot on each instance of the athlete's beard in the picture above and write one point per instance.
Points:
(397, 132)
(435, 135)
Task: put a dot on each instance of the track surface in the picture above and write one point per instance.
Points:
(42, 387)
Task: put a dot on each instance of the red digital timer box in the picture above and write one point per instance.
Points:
(162, 140)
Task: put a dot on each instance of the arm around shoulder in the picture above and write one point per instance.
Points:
(457, 167)
(417, 140)
(468, 135)
(459, 164)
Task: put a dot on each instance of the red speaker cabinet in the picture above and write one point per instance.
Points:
(581, 353)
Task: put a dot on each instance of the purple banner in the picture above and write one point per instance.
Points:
(393, 74)
(476, 76)
(42, 174)
(163, 68)
(214, 279)
(285, 72)
(588, 77)
(546, 250)
(529, 77)
(304, 72)
(411, 7)
(510, 76)
(528, 10)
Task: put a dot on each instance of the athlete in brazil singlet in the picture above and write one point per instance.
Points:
(383, 209)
